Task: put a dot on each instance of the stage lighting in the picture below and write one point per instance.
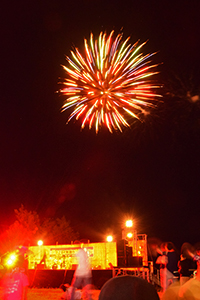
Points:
(40, 243)
(129, 223)
(11, 260)
(109, 238)
(129, 235)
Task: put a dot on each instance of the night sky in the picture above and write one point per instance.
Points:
(150, 172)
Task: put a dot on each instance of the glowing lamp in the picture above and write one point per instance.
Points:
(12, 257)
(129, 235)
(9, 262)
(129, 223)
(109, 238)
(40, 243)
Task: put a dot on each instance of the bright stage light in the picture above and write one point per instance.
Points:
(129, 223)
(9, 262)
(11, 259)
(109, 238)
(129, 235)
(40, 243)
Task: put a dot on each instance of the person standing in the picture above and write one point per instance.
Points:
(191, 289)
(172, 264)
(83, 275)
(15, 284)
(162, 260)
(186, 264)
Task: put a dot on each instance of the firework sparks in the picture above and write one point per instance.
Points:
(109, 84)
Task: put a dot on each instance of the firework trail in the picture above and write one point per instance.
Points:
(109, 83)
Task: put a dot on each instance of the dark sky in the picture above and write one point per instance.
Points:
(150, 172)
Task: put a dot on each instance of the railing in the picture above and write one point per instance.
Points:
(139, 272)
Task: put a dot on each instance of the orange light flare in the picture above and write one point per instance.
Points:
(11, 260)
(129, 223)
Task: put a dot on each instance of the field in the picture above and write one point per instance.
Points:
(48, 294)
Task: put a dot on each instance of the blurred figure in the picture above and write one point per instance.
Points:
(23, 253)
(172, 265)
(162, 260)
(168, 261)
(15, 284)
(128, 288)
(82, 276)
(67, 292)
(186, 263)
(191, 289)
(172, 292)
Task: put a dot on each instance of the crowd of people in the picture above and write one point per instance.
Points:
(179, 275)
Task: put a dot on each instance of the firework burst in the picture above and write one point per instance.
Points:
(110, 83)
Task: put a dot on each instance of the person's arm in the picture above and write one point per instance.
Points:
(159, 251)
(194, 256)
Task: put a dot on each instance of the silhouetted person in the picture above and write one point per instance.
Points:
(173, 258)
(191, 289)
(15, 283)
(128, 288)
(162, 260)
(186, 264)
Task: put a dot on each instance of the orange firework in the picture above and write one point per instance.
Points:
(109, 83)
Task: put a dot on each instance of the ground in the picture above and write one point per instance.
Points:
(48, 294)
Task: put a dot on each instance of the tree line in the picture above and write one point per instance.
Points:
(27, 229)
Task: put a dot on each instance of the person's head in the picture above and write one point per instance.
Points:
(163, 247)
(170, 246)
(128, 288)
(186, 249)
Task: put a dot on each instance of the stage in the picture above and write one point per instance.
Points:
(54, 278)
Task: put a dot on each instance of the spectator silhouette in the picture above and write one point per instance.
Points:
(191, 289)
(128, 288)
(186, 264)
(172, 265)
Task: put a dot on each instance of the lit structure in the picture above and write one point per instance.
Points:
(101, 255)
(142, 247)
(138, 242)
(64, 256)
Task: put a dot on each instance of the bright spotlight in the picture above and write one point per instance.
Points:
(11, 260)
(129, 223)
(109, 238)
(40, 243)
(13, 257)
(129, 235)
